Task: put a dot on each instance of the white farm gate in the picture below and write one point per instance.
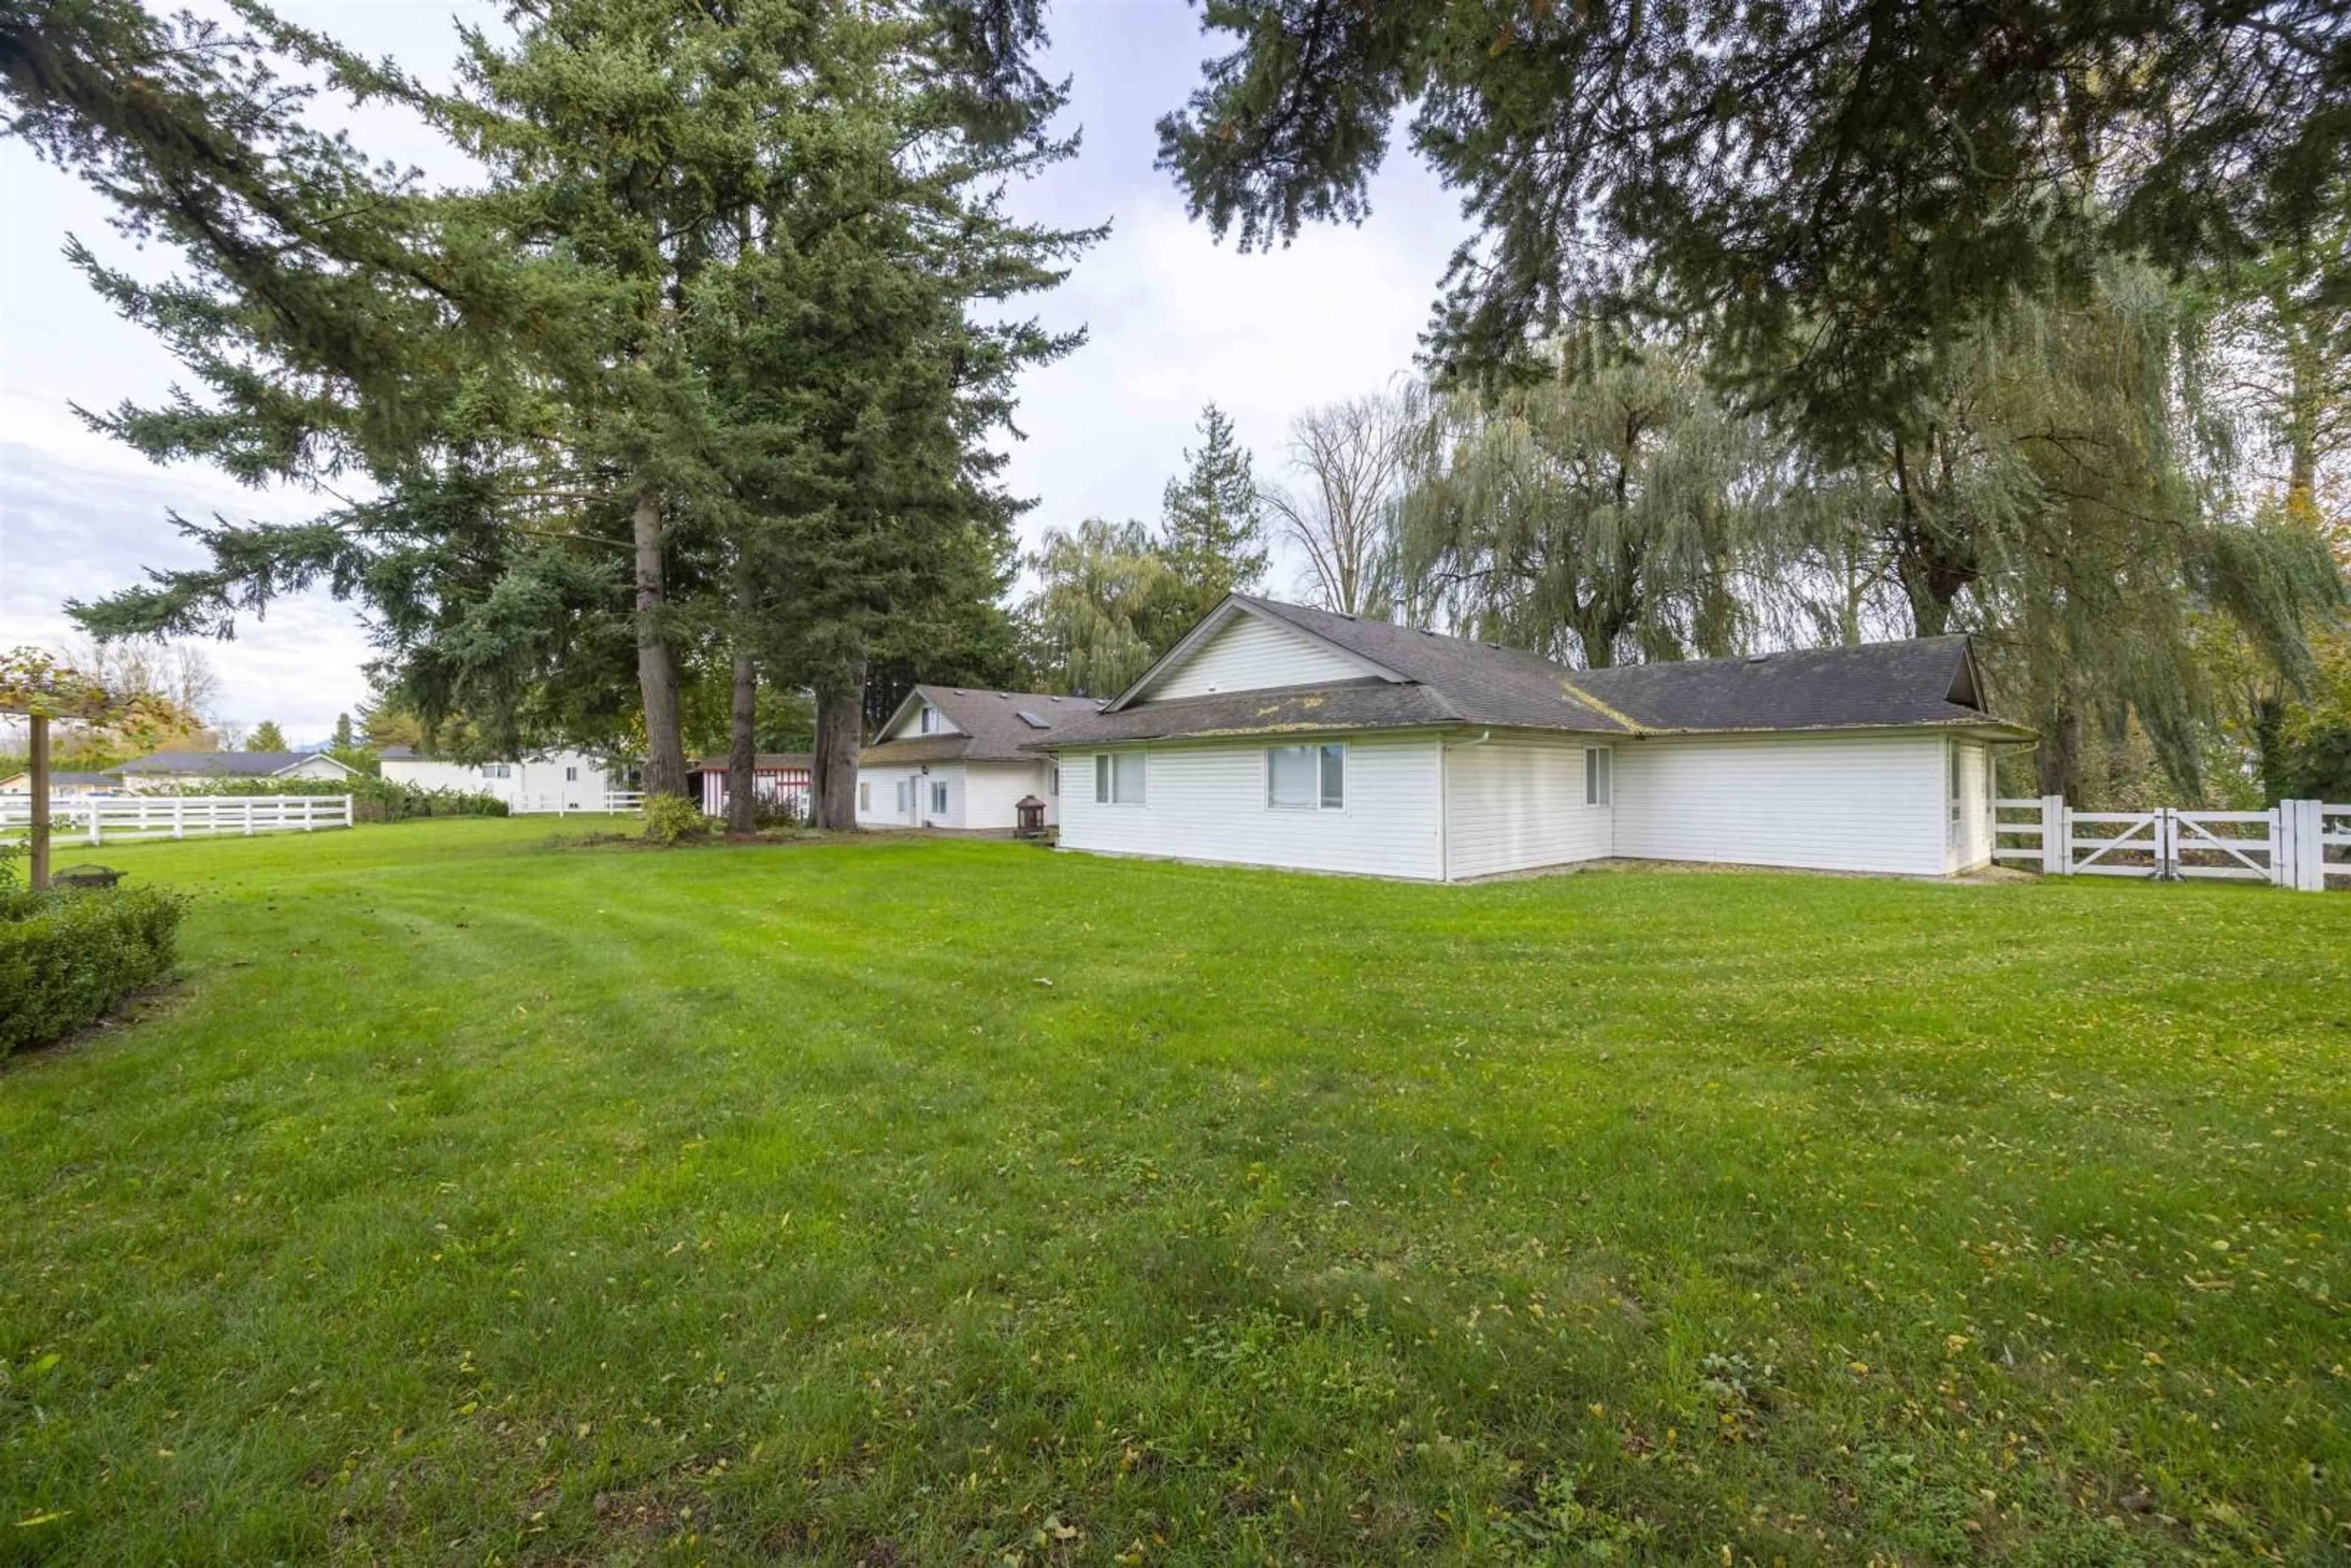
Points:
(2304, 844)
(95, 819)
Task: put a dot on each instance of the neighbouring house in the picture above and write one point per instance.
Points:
(541, 781)
(1279, 735)
(62, 783)
(174, 769)
(951, 757)
(782, 778)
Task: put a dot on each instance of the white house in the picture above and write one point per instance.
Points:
(179, 769)
(68, 783)
(543, 781)
(951, 757)
(1275, 735)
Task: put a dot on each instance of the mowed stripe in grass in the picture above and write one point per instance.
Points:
(919, 1201)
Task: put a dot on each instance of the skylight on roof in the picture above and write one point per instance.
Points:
(1033, 721)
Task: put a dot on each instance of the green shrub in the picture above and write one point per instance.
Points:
(67, 958)
(669, 818)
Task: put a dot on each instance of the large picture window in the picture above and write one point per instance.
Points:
(1596, 777)
(1306, 777)
(1118, 778)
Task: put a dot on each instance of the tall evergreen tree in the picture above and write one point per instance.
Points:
(596, 485)
(1212, 519)
(1838, 192)
(265, 737)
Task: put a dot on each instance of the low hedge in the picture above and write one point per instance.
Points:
(373, 799)
(67, 958)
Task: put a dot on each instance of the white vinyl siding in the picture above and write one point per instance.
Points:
(923, 719)
(1248, 653)
(1829, 803)
(992, 791)
(575, 779)
(1207, 802)
(886, 797)
(1516, 803)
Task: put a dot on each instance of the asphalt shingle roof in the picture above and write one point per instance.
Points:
(223, 764)
(993, 729)
(1446, 682)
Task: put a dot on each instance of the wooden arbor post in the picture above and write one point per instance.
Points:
(40, 800)
(39, 687)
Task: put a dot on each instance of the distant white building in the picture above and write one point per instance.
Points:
(178, 769)
(543, 781)
(950, 757)
(66, 783)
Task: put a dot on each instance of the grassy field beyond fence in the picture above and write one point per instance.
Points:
(474, 1198)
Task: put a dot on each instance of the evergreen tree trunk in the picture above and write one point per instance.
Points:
(656, 660)
(2060, 756)
(839, 727)
(743, 748)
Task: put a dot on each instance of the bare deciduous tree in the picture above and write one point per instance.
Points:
(1351, 458)
(173, 673)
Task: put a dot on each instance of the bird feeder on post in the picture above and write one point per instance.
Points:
(38, 689)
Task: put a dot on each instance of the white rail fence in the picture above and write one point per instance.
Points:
(559, 805)
(94, 818)
(2301, 844)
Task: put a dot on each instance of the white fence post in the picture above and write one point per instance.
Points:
(347, 810)
(2307, 838)
(2056, 837)
(96, 838)
(179, 818)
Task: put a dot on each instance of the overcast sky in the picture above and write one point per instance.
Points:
(1175, 320)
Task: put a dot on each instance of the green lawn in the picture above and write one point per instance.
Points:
(895, 1201)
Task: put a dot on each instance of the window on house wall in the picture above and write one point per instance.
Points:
(939, 798)
(906, 796)
(1596, 782)
(1306, 777)
(1053, 779)
(571, 775)
(864, 796)
(497, 771)
(929, 722)
(1118, 778)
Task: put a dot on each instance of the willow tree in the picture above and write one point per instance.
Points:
(1601, 515)
(2095, 533)
(1106, 605)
